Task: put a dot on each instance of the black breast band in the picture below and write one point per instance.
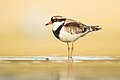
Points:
(57, 32)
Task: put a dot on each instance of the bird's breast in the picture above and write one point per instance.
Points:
(56, 30)
(67, 37)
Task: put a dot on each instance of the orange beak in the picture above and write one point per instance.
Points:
(49, 23)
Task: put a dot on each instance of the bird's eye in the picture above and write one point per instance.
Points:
(55, 20)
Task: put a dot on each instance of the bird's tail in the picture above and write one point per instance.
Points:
(94, 28)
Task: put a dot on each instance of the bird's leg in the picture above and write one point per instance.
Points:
(72, 48)
(68, 50)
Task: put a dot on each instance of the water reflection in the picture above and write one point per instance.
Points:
(51, 70)
(67, 74)
(95, 70)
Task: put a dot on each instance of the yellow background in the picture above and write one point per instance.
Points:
(23, 30)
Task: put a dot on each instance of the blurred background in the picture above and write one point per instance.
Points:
(23, 31)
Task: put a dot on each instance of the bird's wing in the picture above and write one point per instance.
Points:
(74, 27)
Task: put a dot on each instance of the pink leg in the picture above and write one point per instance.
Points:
(72, 48)
(68, 50)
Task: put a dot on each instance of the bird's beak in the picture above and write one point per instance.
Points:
(49, 23)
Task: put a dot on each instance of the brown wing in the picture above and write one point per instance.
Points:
(74, 27)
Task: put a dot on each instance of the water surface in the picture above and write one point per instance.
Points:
(60, 70)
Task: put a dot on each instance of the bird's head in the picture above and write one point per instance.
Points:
(56, 19)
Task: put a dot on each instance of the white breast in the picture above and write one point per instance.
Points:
(56, 25)
(68, 37)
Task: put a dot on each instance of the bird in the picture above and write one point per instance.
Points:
(69, 30)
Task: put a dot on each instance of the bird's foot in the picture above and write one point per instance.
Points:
(70, 59)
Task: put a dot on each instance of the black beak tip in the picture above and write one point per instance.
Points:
(46, 24)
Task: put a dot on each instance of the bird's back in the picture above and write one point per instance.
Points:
(74, 27)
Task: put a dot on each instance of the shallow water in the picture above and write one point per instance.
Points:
(60, 70)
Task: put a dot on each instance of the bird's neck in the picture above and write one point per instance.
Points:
(56, 25)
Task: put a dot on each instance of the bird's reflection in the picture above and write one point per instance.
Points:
(70, 75)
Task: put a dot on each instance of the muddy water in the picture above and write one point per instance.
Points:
(59, 70)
